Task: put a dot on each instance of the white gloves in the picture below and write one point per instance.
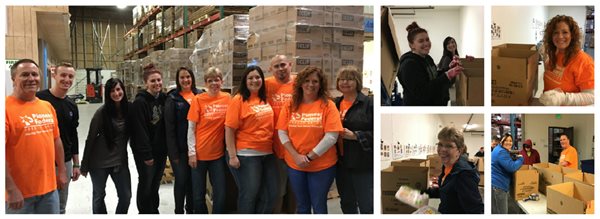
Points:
(557, 97)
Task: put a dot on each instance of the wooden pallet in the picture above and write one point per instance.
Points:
(167, 174)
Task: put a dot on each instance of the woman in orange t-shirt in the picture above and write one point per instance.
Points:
(569, 71)
(206, 148)
(308, 127)
(249, 139)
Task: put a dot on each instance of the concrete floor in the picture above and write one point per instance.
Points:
(80, 191)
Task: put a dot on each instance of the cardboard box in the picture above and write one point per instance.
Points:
(307, 16)
(481, 179)
(256, 13)
(480, 164)
(272, 37)
(525, 182)
(469, 86)
(345, 9)
(304, 48)
(302, 62)
(514, 72)
(410, 163)
(254, 54)
(299, 32)
(350, 21)
(352, 50)
(391, 205)
(569, 198)
(390, 51)
(395, 176)
(531, 47)
(586, 178)
(273, 10)
(341, 35)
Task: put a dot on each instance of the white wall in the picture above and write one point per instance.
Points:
(419, 129)
(516, 23)
(535, 127)
(471, 31)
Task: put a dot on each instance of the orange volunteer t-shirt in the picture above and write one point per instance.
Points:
(31, 128)
(578, 75)
(306, 127)
(187, 96)
(209, 114)
(569, 155)
(253, 120)
(344, 107)
(277, 95)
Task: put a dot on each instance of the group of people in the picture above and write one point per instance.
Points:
(568, 70)
(274, 132)
(505, 162)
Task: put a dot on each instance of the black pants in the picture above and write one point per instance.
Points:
(148, 185)
(182, 189)
(355, 188)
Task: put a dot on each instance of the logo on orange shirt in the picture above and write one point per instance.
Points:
(306, 120)
(261, 110)
(215, 111)
(37, 123)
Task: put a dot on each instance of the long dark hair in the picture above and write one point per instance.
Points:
(322, 94)
(111, 111)
(446, 51)
(244, 92)
(191, 74)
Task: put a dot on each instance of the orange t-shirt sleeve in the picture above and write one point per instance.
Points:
(282, 121)
(194, 112)
(585, 79)
(332, 122)
(232, 118)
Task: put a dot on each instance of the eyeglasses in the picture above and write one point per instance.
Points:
(280, 65)
(346, 79)
(446, 146)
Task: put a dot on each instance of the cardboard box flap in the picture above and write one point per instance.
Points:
(569, 198)
(390, 50)
(517, 46)
(411, 163)
(586, 178)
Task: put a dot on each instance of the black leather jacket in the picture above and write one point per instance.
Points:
(358, 154)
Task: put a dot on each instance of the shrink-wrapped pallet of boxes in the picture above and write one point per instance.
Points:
(223, 45)
(322, 36)
(171, 60)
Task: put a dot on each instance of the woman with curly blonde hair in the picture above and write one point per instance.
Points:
(569, 71)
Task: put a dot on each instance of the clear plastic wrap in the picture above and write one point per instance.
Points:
(412, 197)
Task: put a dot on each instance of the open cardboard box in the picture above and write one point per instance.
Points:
(569, 198)
(514, 72)
(586, 178)
(525, 182)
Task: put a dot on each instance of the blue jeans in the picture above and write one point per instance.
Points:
(63, 194)
(499, 201)
(148, 185)
(48, 203)
(355, 188)
(311, 189)
(216, 170)
(182, 189)
(256, 179)
(121, 178)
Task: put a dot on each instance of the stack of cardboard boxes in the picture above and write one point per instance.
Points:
(223, 45)
(514, 74)
(327, 37)
(171, 60)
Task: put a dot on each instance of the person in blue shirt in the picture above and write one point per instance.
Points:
(503, 167)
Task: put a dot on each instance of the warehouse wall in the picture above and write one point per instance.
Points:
(517, 22)
(22, 31)
(535, 127)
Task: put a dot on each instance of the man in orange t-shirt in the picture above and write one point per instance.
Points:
(568, 156)
(280, 88)
(33, 146)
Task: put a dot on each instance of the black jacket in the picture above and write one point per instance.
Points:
(459, 192)
(97, 153)
(68, 121)
(148, 126)
(176, 123)
(423, 85)
(358, 154)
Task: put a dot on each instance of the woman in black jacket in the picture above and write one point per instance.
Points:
(458, 183)
(148, 140)
(177, 106)
(422, 83)
(354, 177)
(105, 150)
